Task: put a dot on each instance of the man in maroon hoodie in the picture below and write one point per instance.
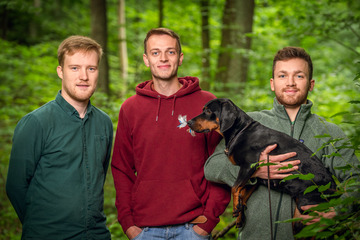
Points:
(157, 164)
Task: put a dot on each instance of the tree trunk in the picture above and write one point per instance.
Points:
(33, 25)
(233, 60)
(138, 62)
(161, 12)
(122, 45)
(205, 37)
(99, 34)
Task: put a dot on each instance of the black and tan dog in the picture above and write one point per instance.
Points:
(245, 139)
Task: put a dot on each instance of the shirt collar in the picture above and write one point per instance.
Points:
(68, 108)
(303, 113)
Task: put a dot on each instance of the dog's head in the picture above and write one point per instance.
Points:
(218, 115)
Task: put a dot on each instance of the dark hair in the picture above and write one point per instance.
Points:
(163, 31)
(288, 53)
(77, 43)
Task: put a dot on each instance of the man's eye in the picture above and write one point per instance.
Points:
(281, 76)
(155, 53)
(300, 76)
(92, 69)
(74, 68)
(172, 52)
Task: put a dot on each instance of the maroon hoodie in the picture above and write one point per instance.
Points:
(158, 166)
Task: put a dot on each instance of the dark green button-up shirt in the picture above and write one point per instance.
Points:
(57, 172)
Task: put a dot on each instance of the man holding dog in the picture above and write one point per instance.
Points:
(61, 153)
(161, 191)
(292, 80)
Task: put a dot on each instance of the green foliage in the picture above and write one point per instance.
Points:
(327, 29)
(345, 225)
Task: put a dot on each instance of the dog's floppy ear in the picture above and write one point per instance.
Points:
(227, 115)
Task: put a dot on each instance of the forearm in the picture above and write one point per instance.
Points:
(25, 155)
(216, 204)
(219, 169)
(17, 196)
(123, 184)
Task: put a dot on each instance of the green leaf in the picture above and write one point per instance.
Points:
(308, 176)
(334, 154)
(310, 189)
(323, 188)
(286, 167)
(267, 164)
(289, 220)
(324, 234)
(290, 177)
(322, 136)
(345, 168)
(255, 165)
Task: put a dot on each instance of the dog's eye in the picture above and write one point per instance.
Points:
(207, 111)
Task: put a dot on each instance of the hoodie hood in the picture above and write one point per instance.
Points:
(189, 85)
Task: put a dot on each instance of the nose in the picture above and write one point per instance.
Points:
(291, 81)
(163, 57)
(83, 75)
(190, 123)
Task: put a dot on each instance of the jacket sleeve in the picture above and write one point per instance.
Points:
(339, 157)
(219, 195)
(25, 154)
(219, 169)
(339, 143)
(123, 171)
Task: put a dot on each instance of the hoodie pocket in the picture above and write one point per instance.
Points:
(164, 202)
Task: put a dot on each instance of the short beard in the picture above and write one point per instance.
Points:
(293, 103)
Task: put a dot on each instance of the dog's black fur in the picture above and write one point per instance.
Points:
(246, 138)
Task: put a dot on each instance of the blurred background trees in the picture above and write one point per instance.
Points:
(228, 44)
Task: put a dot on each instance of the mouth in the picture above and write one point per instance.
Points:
(201, 131)
(164, 67)
(83, 86)
(205, 131)
(291, 91)
(191, 125)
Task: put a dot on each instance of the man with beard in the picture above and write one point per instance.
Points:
(291, 81)
(161, 191)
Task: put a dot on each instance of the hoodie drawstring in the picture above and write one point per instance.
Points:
(159, 105)
(158, 108)
(173, 106)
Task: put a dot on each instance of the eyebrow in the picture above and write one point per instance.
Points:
(170, 48)
(79, 65)
(297, 71)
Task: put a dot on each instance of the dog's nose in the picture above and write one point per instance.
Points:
(190, 123)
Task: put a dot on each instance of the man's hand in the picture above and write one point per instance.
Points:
(314, 219)
(200, 231)
(275, 173)
(133, 231)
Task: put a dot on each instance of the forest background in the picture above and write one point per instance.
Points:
(228, 44)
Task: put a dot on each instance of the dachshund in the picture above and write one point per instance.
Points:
(245, 139)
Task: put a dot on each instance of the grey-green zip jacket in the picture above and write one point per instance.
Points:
(307, 125)
(57, 171)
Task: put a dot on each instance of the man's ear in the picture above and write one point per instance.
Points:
(181, 59)
(312, 84)
(272, 84)
(59, 72)
(146, 60)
